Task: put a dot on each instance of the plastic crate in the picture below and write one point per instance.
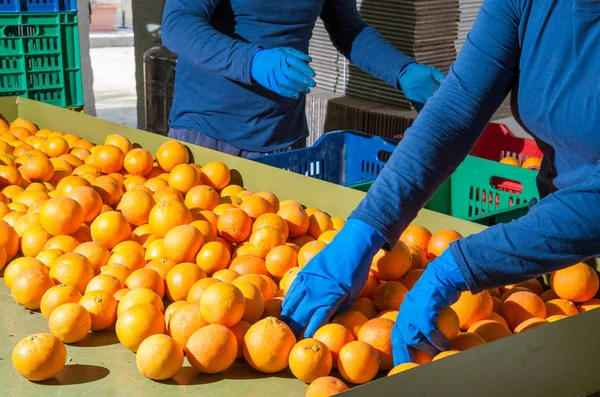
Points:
(39, 58)
(340, 157)
(7, 6)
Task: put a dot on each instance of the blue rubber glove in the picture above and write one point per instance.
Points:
(284, 71)
(416, 325)
(332, 280)
(419, 82)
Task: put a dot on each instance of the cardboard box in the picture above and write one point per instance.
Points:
(555, 360)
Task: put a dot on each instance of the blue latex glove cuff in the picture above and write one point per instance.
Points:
(332, 280)
(416, 326)
(419, 83)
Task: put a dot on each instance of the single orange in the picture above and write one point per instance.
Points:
(39, 357)
(180, 280)
(102, 307)
(440, 240)
(358, 362)
(137, 323)
(110, 228)
(170, 154)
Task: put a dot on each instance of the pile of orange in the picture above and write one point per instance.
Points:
(182, 264)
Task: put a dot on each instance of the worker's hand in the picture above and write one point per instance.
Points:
(419, 82)
(416, 325)
(332, 280)
(284, 71)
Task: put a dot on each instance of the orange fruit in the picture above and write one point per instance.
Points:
(392, 265)
(296, 218)
(137, 323)
(548, 295)
(32, 242)
(497, 317)
(401, 368)
(378, 333)
(47, 257)
(155, 250)
(420, 357)
(280, 259)
(353, 320)
(108, 159)
(309, 251)
(202, 197)
(585, 306)
(554, 318)
(327, 237)
(335, 337)
(139, 296)
(358, 362)
(69, 183)
(143, 235)
(108, 189)
(532, 163)
(20, 133)
(61, 215)
(55, 146)
(417, 236)
(83, 234)
(222, 303)
(24, 123)
(171, 309)
(26, 222)
(366, 306)
(448, 323)
(182, 243)
(166, 215)
(522, 306)
(319, 223)
(254, 304)
(70, 322)
(212, 257)
(272, 308)
(170, 154)
(121, 293)
(106, 283)
(146, 278)
(561, 306)
(133, 181)
(270, 197)
(110, 228)
(266, 238)
(56, 296)
(412, 277)
(159, 357)
(533, 285)
(226, 275)
(138, 162)
(472, 308)
(39, 357)
(310, 359)
(529, 324)
(96, 253)
(9, 239)
(10, 176)
(240, 330)
(440, 240)
(184, 321)
(212, 349)
(207, 230)
(489, 330)
(267, 345)
(445, 354)
(389, 295)
(389, 314)
(29, 286)
(466, 340)
(255, 206)
(89, 200)
(119, 141)
(72, 269)
(37, 168)
(198, 288)
(162, 267)
(80, 152)
(231, 190)
(246, 249)
(180, 280)
(235, 225)
(129, 257)
(511, 161)
(286, 281)
(135, 205)
(216, 175)
(577, 283)
(497, 305)
(248, 264)
(156, 184)
(511, 291)
(116, 270)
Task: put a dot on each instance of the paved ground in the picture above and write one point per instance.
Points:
(114, 84)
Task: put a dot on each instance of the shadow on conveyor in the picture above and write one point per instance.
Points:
(77, 374)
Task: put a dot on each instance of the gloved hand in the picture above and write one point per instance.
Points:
(284, 71)
(333, 279)
(419, 82)
(416, 325)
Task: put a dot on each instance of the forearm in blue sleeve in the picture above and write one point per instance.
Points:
(559, 231)
(186, 31)
(450, 123)
(362, 44)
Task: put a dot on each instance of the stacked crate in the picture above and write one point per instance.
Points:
(39, 51)
(430, 31)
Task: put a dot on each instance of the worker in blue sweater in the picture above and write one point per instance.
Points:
(243, 72)
(547, 52)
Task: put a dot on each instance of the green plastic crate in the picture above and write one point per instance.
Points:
(39, 58)
(476, 193)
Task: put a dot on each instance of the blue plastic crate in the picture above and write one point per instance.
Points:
(11, 6)
(340, 157)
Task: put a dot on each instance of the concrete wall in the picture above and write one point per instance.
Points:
(86, 63)
(147, 17)
(123, 5)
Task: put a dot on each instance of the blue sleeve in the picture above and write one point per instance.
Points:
(362, 44)
(186, 31)
(449, 125)
(559, 231)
